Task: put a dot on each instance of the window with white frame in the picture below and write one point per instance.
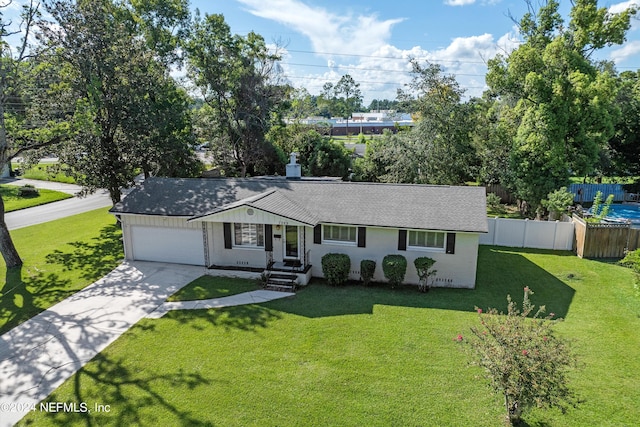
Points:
(339, 233)
(248, 234)
(426, 239)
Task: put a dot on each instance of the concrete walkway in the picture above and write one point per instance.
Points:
(253, 297)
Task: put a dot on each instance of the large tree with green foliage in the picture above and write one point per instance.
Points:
(127, 113)
(238, 79)
(624, 146)
(492, 136)
(349, 96)
(340, 99)
(438, 150)
(319, 155)
(562, 100)
(22, 130)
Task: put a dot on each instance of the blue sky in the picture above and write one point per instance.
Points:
(372, 40)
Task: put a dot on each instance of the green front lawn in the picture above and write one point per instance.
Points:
(357, 356)
(14, 202)
(207, 287)
(60, 257)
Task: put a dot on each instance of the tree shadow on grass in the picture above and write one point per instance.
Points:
(25, 294)
(126, 397)
(243, 317)
(501, 272)
(22, 297)
(95, 258)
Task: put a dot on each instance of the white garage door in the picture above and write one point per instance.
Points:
(176, 245)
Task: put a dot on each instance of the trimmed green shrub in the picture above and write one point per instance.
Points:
(28, 191)
(493, 201)
(632, 260)
(335, 268)
(394, 268)
(424, 267)
(558, 202)
(367, 268)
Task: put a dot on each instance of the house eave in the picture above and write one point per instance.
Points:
(211, 216)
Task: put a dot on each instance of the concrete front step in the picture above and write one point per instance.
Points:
(281, 276)
(287, 284)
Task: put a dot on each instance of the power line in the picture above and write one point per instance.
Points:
(373, 69)
(356, 55)
(431, 60)
(368, 82)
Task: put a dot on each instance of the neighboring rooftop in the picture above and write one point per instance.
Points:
(432, 207)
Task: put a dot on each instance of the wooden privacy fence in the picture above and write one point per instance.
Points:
(604, 240)
(499, 190)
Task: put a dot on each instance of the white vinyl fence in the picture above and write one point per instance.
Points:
(524, 233)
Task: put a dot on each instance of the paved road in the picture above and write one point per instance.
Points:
(55, 210)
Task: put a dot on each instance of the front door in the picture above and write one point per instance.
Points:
(291, 242)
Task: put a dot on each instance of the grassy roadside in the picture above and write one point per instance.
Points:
(13, 202)
(60, 257)
(44, 172)
(357, 356)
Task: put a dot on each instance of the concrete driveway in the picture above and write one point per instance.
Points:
(38, 355)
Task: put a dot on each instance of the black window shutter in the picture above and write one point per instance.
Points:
(402, 240)
(362, 237)
(227, 235)
(268, 237)
(451, 243)
(317, 234)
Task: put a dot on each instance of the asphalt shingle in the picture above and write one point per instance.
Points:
(431, 207)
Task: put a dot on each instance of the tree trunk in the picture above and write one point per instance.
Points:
(514, 413)
(116, 195)
(7, 248)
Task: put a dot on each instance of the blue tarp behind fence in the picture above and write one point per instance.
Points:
(585, 193)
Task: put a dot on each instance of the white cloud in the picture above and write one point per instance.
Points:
(468, 2)
(459, 2)
(621, 7)
(379, 67)
(631, 48)
(625, 52)
(328, 32)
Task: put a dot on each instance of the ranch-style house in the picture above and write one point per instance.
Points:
(243, 226)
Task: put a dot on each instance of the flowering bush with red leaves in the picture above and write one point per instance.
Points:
(523, 358)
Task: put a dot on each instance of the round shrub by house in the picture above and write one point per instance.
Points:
(367, 268)
(424, 267)
(394, 268)
(335, 268)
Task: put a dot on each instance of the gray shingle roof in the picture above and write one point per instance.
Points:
(432, 207)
